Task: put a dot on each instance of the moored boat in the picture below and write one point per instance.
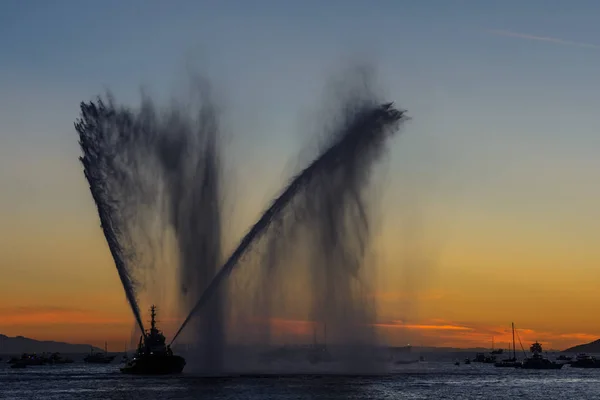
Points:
(585, 361)
(537, 361)
(510, 362)
(99, 357)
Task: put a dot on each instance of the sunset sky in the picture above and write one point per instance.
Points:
(491, 203)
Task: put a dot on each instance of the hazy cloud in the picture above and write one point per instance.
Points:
(542, 38)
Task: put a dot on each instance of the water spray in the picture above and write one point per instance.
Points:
(98, 163)
(366, 132)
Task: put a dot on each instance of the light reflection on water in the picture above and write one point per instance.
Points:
(431, 381)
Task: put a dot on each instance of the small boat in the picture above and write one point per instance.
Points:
(585, 361)
(56, 358)
(482, 358)
(497, 351)
(99, 357)
(457, 363)
(537, 361)
(28, 359)
(510, 362)
(467, 361)
(153, 357)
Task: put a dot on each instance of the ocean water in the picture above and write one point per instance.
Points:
(427, 380)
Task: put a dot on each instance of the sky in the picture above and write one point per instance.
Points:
(489, 213)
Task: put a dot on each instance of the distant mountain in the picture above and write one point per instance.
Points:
(20, 344)
(592, 347)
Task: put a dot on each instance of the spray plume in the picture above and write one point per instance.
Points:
(154, 174)
(101, 133)
(354, 147)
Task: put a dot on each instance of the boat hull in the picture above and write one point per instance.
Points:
(155, 365)
(541, 366)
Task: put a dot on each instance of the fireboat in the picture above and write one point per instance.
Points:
(153, 357)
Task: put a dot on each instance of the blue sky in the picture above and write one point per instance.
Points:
(503, 95)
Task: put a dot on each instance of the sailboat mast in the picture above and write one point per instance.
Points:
(514, 349)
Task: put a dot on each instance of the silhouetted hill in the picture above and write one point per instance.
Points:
(592, 347)
(20, 344)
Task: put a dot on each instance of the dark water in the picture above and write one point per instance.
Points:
(429, 380)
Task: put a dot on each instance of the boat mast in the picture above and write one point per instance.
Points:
(153, 318)
(514, 349)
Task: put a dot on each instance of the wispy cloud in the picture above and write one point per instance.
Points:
(48, 315)
(543, 39)
(431, 327)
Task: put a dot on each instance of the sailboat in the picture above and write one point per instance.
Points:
(99, 358)
(499, 351)
(510, 362)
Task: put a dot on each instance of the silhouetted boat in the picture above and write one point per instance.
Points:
(153, 357)
(495, 352)
(585, 361)
(467, 361)
(563, 357)
(510, 362)
(99, 358)
(28, 359)
(537, 361)
(482, 358)
(56, 358)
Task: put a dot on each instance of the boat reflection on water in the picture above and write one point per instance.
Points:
(153, 357)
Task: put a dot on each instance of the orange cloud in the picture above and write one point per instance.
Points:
(54, 315)
(443, 327)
